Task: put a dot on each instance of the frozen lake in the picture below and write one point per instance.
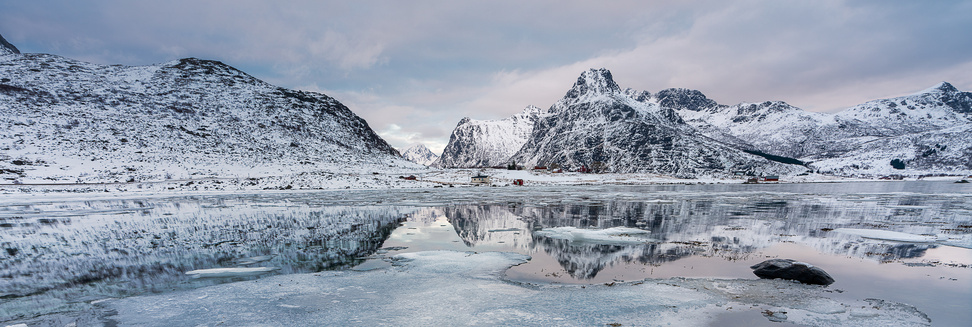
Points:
(63, 257)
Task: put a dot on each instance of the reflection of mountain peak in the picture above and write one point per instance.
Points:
(489, 225)
(730, 227)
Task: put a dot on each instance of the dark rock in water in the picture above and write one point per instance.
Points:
(793, 270)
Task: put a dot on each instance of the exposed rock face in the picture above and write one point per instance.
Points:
(63, 120)
(792, 270)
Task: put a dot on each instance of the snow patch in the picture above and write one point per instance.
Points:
(890, 236)
(229, 272)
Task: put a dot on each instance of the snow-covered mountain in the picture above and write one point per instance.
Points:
(419, 154)
(923, 130)
(486, 143)
(681, 132)
(64, 120)
(599, 125)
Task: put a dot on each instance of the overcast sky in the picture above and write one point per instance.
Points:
(413, 69)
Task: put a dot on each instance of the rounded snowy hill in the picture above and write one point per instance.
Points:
(64, 120)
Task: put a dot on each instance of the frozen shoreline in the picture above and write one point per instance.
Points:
(465, 288)
(327, 181)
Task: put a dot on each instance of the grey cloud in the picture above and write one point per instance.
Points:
(422, 65)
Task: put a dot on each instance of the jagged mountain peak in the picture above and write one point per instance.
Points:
(419, 154)
(684, 99)
(6, 47)
(594, 81)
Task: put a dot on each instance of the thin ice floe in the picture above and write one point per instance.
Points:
(465, 288)
(601, 236)
(229, 272)
(891, 236)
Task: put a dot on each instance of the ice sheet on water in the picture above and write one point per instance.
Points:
(229, 272)
(614, 235)
(465, 288)
(890, 235)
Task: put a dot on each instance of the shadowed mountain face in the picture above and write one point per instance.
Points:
(6, 47)
(67, 120)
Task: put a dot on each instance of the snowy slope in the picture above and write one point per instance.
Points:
(777, 128)
(598, 125)
(419, 154)
(66, 121)
(861, 140)
(945, 151)
(486, 143)
(938, 107)
(6, 48)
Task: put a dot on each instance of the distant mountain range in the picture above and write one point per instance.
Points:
(419, 154)
(68, 121)
(681, 132)
(64, 120)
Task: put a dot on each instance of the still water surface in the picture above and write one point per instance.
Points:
(61, 255)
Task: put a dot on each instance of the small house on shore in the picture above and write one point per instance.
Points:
(480, 179)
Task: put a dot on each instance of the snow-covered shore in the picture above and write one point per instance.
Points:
(364, 179)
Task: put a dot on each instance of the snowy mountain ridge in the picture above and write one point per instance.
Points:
(597, 121)
(599, 126)
(419, 154)
(859, 141)
(68, 121)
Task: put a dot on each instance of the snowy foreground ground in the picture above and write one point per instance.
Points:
(442, 288)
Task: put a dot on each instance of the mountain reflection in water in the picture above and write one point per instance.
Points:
(58, 256)
(727, 226)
